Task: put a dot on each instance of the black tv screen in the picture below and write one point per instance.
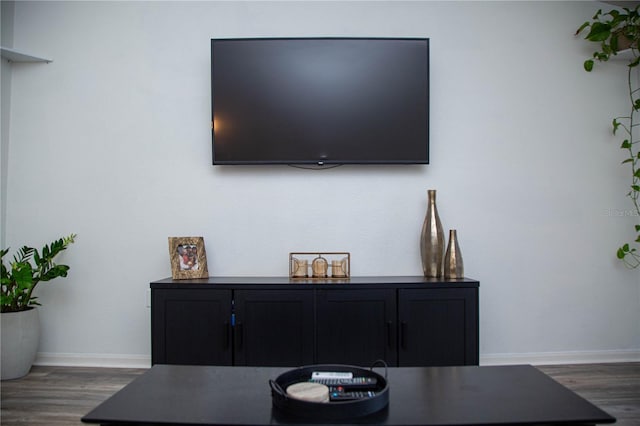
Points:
(320, 100)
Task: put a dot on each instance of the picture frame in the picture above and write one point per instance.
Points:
(188, 258)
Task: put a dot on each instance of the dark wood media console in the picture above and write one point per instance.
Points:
(275, 321)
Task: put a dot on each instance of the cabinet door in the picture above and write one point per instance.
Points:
(438, 327)
(191, 327)
(356, 326)
(274, 327)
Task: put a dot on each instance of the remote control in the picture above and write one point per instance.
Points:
(331, 375)
(355, 382)
(336, 395)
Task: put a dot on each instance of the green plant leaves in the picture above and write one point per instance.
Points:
(582, 27)
(23, 254)
(22, 274)
(55, 272)
(615, 125)
(613, 31)
(588, 65)
(597, 15)
(21, 277)
(600, 31)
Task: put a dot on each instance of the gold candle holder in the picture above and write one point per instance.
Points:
(300, 268)
(324, 265)
(319, 267)
(339, 268)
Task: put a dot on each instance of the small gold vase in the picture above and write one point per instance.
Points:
(453, 265)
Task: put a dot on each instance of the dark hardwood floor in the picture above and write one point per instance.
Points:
(62, 395)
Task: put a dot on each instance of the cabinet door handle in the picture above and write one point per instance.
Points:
(403, 335)
(389, 328)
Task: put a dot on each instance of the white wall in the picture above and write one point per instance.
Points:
(6, 70)
(112, 141)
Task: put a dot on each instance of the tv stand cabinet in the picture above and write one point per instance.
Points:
(276, 321)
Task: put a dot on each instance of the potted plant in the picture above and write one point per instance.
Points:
(19, 318)
(616, 31)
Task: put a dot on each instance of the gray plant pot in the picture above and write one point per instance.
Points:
(20, 336)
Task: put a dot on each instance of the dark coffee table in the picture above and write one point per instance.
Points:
(240, 396)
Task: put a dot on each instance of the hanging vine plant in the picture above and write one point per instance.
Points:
(616, 31)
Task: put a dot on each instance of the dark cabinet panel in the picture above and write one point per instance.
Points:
(438, 327)
(191, 327)
(274, 327)
(405, 321)
(356, 327)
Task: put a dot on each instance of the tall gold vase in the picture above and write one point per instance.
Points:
(432, 240)
(453, 265)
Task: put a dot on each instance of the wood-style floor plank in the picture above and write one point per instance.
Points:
(615, 387)
(59, 395)
(62, 395)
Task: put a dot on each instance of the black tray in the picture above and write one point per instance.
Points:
(333, 409)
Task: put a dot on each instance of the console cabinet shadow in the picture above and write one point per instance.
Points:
(273, 321)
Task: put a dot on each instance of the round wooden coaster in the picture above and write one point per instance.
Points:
(307, 391)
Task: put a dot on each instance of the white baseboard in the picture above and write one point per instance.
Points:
(533, 358)
(572, 357)
(93, 360)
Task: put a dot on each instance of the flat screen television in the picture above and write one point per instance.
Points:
(320, 100)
